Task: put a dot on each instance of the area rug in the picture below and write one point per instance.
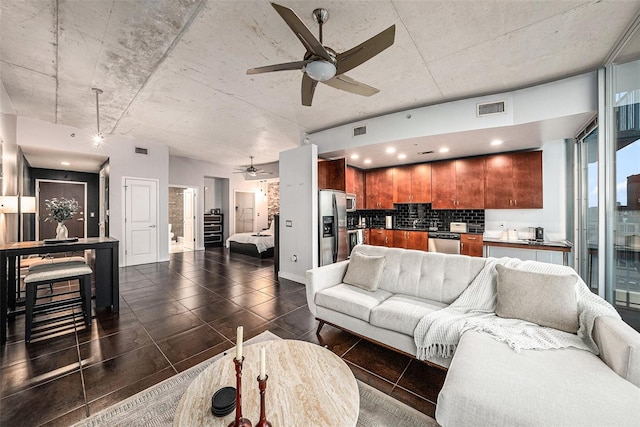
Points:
(155, 406)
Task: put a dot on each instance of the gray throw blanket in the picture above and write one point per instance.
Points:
(438, 333)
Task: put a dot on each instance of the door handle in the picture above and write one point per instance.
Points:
(80, 219)
(152, 226)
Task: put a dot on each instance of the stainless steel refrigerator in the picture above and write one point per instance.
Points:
(332, 207)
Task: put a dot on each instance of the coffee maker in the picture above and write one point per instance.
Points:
(539, 234)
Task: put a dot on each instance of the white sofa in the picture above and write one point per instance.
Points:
(487, 382)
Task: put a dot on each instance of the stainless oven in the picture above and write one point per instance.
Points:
(354, 237)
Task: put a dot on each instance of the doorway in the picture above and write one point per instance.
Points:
(141, 220)
(244, 211)
(182, 219)
(50, 189)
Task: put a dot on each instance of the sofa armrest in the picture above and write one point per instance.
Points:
(619, 346)
(322, 278)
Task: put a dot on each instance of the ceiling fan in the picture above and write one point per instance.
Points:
(323, 64)
(252, 170)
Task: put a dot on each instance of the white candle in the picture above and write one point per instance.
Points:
(239, 343)
(263, 363)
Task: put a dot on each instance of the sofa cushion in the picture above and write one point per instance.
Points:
(351, 300)
(619, 346)
(490, 384)
(545, 299)
(364, 271)
(427, 275)
(401, 313)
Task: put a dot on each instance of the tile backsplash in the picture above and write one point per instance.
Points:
(421, 217)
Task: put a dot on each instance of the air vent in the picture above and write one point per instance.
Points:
(140, 150)
(362, 130)
(490, 108)
(422, 153)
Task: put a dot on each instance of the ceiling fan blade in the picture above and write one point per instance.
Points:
(365, 51)
(303, 33)
(348, 84)
(308, 88)
(297, 65)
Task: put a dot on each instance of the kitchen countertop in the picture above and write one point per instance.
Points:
(563, 246)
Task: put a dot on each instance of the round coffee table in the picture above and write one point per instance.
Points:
(308, 386)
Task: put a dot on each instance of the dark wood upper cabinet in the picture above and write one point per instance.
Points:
(514, 181)
(412, 184)
(458, 184)
(332, 175)
(379, 188)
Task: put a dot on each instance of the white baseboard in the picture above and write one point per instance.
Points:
(294, 277)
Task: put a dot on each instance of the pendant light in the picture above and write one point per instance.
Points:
(98, 137)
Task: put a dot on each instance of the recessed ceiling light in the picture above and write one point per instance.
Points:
(391, 150)
(354, 157)
(402, 156)
(496, 142)
(65, 163)
(367, 161)
(444, 150)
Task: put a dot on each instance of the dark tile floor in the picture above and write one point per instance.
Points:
(175, 315)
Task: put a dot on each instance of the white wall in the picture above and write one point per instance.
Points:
(298, 204)
(188, 172)
(553, 215)
(123, 162)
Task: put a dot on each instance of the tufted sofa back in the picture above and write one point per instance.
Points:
(429, 275)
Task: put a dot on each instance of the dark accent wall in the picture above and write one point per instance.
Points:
(93, 196)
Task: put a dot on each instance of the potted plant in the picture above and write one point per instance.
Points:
(61, 210)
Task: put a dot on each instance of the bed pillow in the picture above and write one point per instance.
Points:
(364, 271)
(545, 299)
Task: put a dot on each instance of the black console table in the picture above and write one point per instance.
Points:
(106, 274)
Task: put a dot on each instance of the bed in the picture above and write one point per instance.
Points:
(256, 244)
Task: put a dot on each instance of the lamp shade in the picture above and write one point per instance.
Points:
(321, 70)
(8, 204)
(27, 204)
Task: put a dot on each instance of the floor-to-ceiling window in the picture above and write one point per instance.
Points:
(625, 269)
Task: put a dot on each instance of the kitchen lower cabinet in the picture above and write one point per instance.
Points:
(411, 239)
(471, 244)
(381, 237)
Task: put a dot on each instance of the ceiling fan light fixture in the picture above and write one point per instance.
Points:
(320, 70)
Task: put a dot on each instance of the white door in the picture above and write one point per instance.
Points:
(141, 220)
(189, 219)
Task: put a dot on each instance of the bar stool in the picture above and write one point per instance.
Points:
(53, 273)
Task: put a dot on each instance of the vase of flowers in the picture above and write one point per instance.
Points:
(61, 210)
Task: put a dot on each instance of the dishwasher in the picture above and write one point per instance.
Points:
(444, 243)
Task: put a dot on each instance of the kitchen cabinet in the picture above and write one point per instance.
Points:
(331, 175)
(471, 244)
(366, 236)
(458, 184)
(355, 185)
(514, 181)
(379, 188)
(412, 184)
(411, 239)
(381, 237)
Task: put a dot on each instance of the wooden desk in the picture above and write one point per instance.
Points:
(106, 273)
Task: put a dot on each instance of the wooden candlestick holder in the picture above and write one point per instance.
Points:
(262, 385)
(239, 420)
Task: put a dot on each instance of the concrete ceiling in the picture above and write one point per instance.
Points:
(174, 71)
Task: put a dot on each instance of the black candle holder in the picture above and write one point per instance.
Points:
(239, 420)
(262, 385)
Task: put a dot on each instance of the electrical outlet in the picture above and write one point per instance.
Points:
(502, 224)
(294, 258)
